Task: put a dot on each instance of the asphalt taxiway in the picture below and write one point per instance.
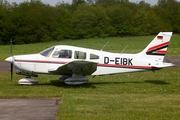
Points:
(28, 109)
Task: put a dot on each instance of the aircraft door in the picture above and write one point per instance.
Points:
(59, 57)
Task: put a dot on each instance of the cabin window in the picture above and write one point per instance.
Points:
(79, 55)
(62, 54)
(93, 56)
(47, 51)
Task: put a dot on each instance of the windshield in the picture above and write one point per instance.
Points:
(47, 51)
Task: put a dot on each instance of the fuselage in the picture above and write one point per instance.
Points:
(107, 62)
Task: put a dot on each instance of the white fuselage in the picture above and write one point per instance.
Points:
(107, 63)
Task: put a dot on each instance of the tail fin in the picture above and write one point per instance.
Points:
(156, 50)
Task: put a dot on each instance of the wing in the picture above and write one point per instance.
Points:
(76, 67)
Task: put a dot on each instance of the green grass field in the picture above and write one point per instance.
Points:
(130, 96)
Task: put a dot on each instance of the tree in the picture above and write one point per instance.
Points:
(63, 23)
(90, 2)
(75, 4)
(90, 21)
(121, 19)
(78, 1)
(105, 3)
(29, 22)
(2, 20)
(34, 21)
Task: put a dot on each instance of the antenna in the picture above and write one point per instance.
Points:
(104, 45)
(124, 49)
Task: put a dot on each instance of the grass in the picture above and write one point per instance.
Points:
(142, 95)
(125, 96)
(137, 96)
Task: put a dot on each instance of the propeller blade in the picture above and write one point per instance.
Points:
(11, 54)
(11, 71)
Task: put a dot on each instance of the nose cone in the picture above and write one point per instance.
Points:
(9, 59)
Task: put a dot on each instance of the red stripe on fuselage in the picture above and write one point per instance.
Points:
(125, 66)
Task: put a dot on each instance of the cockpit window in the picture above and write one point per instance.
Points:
(64, 53)
(47, 51)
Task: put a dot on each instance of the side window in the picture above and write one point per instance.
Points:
(93, 56)
(62, 54)
(79, 55)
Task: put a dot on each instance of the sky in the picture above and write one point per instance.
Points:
(54, 2)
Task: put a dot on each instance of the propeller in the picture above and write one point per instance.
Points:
(12, 59)
(11, 71)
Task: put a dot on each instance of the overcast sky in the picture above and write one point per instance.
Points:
(54, 2)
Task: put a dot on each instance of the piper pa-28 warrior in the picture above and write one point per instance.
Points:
(75, 63)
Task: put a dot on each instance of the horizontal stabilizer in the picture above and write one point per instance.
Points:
(163, 65)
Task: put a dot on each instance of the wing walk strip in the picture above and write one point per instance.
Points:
(100, 65)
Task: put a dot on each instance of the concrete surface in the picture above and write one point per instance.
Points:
(28, 109)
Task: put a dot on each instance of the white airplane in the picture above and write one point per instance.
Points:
(74, 63)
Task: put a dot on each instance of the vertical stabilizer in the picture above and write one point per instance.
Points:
(156, 50)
